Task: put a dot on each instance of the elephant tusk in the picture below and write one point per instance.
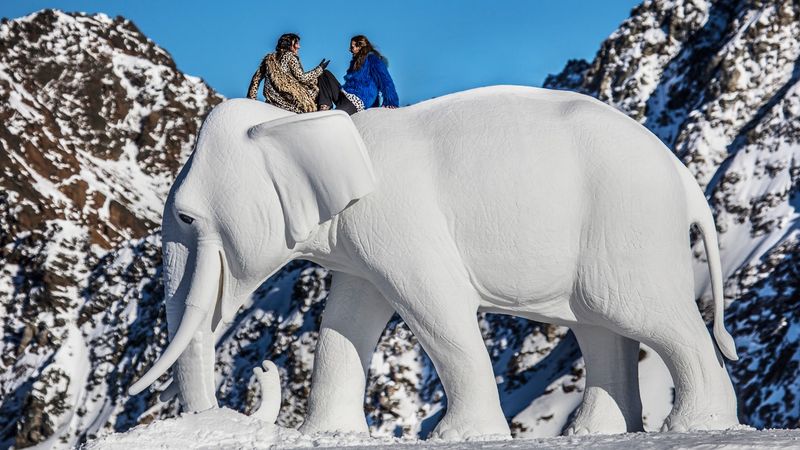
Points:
(203, 293)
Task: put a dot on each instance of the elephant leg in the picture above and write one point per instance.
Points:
(440, 306)
(663, 316)
(704, 395)
(355, 316)
(611, 402)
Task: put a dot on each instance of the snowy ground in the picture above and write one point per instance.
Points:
(228, 429)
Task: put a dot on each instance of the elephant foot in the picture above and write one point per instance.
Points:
(334, 425)
(600, 414)
(459, 428)
(333, 420)
(596, 422)
(701, 421)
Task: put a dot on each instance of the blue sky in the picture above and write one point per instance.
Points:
(433, 47)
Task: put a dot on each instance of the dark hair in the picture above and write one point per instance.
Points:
(285, 43)
(365, 48)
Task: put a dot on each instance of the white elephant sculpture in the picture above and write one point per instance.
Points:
(541, 204)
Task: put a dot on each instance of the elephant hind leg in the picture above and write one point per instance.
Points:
(647, 295)
(669, 323)
(611, 402)
(704, 395)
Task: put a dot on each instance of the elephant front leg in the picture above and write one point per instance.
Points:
(611, 402)
(440, 306)
(354, 319)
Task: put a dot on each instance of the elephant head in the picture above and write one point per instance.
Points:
(258, 184)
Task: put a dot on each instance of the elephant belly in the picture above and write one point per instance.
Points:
(520, 241)
(547, 301)
(534, 282)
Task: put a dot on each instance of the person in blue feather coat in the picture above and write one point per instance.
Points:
(367, 83)
(367, 77)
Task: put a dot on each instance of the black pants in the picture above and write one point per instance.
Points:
(330, 93)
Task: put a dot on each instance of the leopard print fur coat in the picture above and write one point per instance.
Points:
(286, 85)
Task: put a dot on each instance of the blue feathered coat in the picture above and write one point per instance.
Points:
(372, 78)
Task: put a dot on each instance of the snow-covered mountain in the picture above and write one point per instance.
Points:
(719, 82)
(97, 119)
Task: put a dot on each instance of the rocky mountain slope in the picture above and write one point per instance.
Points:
(97, 119)
(719, 82)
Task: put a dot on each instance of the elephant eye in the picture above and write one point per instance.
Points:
(186, 219)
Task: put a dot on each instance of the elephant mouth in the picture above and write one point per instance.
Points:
(206, 293)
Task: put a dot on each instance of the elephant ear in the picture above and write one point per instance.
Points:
(318, 164)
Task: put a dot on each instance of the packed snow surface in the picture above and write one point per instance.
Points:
(227, 429)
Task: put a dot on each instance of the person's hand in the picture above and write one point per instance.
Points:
(324, 63)
(390, 107)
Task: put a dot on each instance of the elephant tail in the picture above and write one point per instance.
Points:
(700, 215)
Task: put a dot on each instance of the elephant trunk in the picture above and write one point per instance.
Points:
(204, 290)
(193, 372)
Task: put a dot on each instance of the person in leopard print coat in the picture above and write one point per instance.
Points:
(286, 85)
